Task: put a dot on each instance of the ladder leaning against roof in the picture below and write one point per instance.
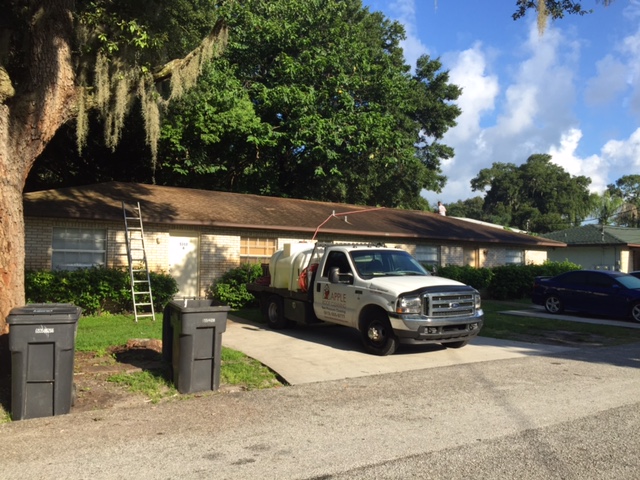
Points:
(138, 266)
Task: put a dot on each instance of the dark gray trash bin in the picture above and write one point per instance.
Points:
(42, 341)
(192, 339)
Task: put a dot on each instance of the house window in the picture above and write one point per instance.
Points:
(257, 250)
(428, 256)
(74, 248)
(514, 257)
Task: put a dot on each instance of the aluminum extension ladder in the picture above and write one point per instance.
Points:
(138, 266)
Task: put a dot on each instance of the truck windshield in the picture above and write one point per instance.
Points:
(377, 263)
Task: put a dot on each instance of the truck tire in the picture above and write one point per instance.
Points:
(275, 313)
(377, 335)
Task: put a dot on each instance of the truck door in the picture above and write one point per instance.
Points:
(334, 290)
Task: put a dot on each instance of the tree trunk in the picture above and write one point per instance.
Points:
(44, 99)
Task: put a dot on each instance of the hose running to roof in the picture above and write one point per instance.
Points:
(343, 214)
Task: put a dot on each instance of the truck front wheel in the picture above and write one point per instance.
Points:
(377, 335)
(275, 313)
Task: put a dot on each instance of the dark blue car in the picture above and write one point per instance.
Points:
(613, 294)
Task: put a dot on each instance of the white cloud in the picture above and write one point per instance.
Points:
(623, 154)
(507, 125)
(610, 81)
(404, 11)
(618, 73)
(564, 155)
(543, 89)
(468, 70)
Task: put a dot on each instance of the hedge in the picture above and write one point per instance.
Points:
(96, 290)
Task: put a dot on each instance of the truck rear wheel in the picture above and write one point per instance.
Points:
(275, 313)
(378, 336)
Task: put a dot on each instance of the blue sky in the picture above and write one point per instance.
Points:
(573, 92)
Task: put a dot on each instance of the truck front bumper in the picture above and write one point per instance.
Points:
(415, 329)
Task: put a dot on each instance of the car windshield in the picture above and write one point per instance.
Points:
(377, 263)
(629, 281)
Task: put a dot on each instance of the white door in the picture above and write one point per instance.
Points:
(183, 263)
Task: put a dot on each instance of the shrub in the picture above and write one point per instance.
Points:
(478, 278)
(516, 281)
(505, 282)
(96, 290)
(231, 289)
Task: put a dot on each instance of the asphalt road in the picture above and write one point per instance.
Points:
(564, 415)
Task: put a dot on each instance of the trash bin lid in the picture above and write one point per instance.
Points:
(44, 312)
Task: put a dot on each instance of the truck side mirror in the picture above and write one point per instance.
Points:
(334, 276)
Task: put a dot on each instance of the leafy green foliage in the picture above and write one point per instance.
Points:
(627, 214)
(556, 9)
(505, 282)
(231, 288)
(478, 278)
(537, 196)
(95, 290)
(312, 99)
(516, 281)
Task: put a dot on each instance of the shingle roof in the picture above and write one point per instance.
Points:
(597, 235)
(183, 206)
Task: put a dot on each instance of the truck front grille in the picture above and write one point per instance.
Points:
(448, 305)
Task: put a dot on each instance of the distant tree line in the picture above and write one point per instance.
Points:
(540, 197)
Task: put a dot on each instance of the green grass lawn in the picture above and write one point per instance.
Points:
(100, 334)
(512, 327)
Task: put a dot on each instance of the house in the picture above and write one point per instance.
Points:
(599, 247)
(197, 235)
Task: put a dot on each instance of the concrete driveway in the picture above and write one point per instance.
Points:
(330, 352)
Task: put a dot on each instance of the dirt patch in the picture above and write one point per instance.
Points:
(94, 391)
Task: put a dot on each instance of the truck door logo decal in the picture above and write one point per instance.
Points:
(334, 304)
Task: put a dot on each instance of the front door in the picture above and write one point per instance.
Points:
(471, 257)
(183, 263)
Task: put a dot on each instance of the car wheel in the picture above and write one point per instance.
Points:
(553, 304)
(635, 312)
(275, 313)
(377, 335)
(455, 344)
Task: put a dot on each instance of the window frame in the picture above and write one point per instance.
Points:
(251, 250)
(97, 236)
(422, 256)
(511, 254)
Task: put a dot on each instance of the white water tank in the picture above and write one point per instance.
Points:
(286, 265)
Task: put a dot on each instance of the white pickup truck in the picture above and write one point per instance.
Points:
(382, 292)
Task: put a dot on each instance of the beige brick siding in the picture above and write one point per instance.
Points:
(219, 249)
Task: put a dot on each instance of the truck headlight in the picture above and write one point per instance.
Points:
(409, 305)
(478, 302)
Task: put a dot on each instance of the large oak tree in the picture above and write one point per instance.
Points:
(59, 60)
(537, 196)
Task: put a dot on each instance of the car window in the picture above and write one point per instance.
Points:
(573, 278)
(600, 280)
(629, 281)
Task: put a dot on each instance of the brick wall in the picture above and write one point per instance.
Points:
(219, 249)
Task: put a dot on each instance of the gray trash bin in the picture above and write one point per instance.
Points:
(192, 338)
(42, 341)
